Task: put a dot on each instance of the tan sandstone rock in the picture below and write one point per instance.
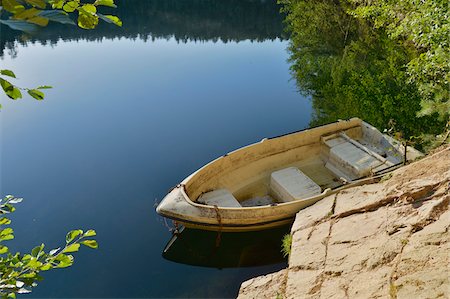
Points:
(267, 286)
(384, 240)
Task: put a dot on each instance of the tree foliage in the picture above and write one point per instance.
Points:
(352, 69)
(30, 15)
(424, 26)
(19, 273)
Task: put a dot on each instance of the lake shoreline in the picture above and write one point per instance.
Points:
(393, 233)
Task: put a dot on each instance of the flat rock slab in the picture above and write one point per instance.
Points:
(267, 286)
(423, 270)
(302, 283)
(354, 248)
(358, 198)
(311, 216)
(385, 240)
(308, 248)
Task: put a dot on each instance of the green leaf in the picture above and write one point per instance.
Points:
(38, 21)
(64, 265)
(10, 90)
(64, 261)
(8, 73)
(34, 264)
(30, 275)
(72, 248)
(6, 231)
(37, 94)
(71, 6)
(57, 4)
(73, 234)
(37, 250)
(6, 237)
(109, 3)
(12, 6)
(87, 21)
(26, 258)
(11, 296)
(44, 87)
(7, 208)
(64, 257)
(6, 85)
(89, 8)
(57, 16)
(3, 249)
(111, 19)
(20, 25)
(26, 14)
(14, 274)
(15, 259)
(4, 221)
(45, 267)
(15, 94)
(90, 243)
(90, 233)
(37, 3)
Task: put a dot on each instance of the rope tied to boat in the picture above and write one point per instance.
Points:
(219, 220)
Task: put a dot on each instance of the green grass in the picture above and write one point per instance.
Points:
(286, 245)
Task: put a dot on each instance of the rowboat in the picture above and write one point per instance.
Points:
(263, 185)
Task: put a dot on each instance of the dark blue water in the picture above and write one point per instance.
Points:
(128, 119)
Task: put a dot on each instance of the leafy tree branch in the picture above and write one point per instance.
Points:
(19, 273)
(31, 15)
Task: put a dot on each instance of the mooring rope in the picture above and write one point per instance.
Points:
(219, 220)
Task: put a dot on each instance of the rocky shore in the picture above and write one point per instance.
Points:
(383, 240)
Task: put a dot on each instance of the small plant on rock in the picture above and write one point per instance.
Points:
(286, 245)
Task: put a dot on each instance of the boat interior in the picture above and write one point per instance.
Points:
(293, 167)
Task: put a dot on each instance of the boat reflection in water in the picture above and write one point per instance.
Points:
(226, 250)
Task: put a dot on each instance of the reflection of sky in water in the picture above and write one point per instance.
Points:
(126, 121)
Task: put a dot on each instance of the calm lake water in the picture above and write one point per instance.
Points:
(133, 112)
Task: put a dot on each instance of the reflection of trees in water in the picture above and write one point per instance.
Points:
(351, 70)
(196, 20)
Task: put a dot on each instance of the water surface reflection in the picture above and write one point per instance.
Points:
(351, 69)
(128, 118)
(192, 20)
(226, 250)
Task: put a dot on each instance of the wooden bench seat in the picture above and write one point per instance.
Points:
(291, 184)
(220, 198)
(350, 159)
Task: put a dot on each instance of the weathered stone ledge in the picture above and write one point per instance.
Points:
(384, 240)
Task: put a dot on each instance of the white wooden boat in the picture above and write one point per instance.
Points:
(265, 184)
